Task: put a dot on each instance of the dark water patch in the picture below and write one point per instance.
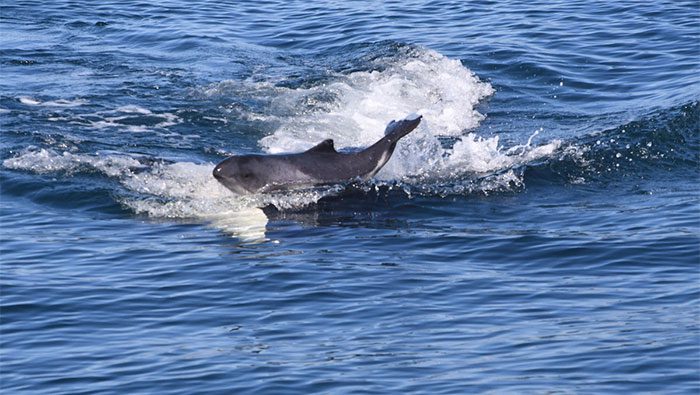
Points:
(82, 193)
(664, 144)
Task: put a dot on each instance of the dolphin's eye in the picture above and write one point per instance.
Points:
(247, 175)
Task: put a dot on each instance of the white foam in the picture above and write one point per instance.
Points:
(176, 190)
(442, 90)
(474, 154)
(134, 109)
(127, 113)
(46, 161)
(187, 190)
(122, 117)
(30, 101)
(179, 180)
(65, 103)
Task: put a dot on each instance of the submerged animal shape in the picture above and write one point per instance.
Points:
(322, 164)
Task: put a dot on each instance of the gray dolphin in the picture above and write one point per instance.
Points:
(319, 165)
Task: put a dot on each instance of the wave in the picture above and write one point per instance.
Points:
(444, 156)
(660, 144)
(353, 107)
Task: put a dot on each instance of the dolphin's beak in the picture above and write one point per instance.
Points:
(219, 175)
(225, 181)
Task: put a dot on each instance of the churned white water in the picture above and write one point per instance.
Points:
(361, 104)
(430, 84)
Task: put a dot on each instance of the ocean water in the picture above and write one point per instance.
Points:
(538, 233)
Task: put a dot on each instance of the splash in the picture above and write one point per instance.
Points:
(355, 108)
(352, 109)
(188, 191)
(180, 190)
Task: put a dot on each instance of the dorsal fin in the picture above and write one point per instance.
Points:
(323, 146)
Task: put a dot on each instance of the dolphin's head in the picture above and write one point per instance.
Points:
(240, 174)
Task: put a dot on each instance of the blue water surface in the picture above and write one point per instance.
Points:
(539, 234)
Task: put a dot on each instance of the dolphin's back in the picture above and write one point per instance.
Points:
(321, 164)
(329, 167)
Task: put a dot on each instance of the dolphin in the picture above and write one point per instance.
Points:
(320, 165)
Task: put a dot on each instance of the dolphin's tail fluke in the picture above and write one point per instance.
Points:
(397, 129)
